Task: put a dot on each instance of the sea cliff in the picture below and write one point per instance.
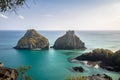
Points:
(32, 40)
(69, 41)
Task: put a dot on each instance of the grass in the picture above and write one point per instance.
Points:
(77, 77)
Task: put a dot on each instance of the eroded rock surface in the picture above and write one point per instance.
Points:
(69, 41)
(32, 40)
(8, 73)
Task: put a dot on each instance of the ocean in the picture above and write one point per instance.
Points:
(53, 64)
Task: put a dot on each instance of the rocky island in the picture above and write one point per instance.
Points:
(32, 40)
(69, 41)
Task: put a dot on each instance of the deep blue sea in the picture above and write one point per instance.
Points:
(53, 64)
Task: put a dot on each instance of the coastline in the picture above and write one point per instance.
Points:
(57, 59)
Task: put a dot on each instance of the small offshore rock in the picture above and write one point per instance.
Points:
(78, 69)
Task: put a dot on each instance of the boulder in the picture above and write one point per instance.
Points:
(78, 69)
(69, 41)
(8, 73)
(32, 40)
(1, 64)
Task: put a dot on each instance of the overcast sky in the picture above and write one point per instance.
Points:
(64, 15)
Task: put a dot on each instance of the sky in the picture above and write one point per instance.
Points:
(64, 15)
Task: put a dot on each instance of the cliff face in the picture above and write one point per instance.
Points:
(69, 41)
(32, 40)
(8, 74)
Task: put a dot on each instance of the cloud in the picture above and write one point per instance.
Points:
(3, 16)
(21, 17)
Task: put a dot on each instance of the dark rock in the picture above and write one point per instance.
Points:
(78, 69)
(1, 64)
(99, 77)
(109, 67)
(32, 40)
(8, 74)
(96, 55)
(69, 41)
(108, 59)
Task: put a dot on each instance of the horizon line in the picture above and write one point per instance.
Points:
(54, 30)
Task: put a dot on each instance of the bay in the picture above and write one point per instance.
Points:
(53, 64)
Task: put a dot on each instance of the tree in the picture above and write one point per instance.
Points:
(22, 71)
(10, 5)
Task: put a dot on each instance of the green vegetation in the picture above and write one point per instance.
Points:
(97, 55)
(32, 40)
(116, 57)
(12, 5)
(106, 54)
(102, 51)
(22, 72)
(109, 60)
(109, 55)
(78, 77)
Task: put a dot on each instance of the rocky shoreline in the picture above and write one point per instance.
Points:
(8, 73)
(105, 59)
(99, 77)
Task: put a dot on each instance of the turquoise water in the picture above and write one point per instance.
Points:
(53, 64)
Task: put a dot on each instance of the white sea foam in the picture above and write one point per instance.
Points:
(96, 66)
(85, 62)
(89, 65)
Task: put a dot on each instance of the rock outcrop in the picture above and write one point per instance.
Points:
(99, 77)
(8, 73)
(32, 40)
(78, 69)
(108, 59)
(69, 41)
(1, 64)
(96, 55)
